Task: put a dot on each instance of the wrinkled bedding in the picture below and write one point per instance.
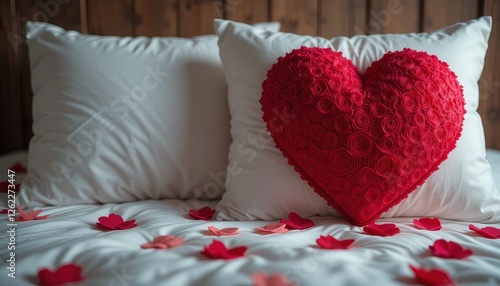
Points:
(116, 257)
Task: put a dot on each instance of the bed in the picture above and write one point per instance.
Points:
(116, 257)
(230, 159)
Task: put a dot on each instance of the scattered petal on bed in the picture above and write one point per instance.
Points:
(329, 242)
(224, 231)
(295, 221)
(205, 213)
(164, 242)
(387, 229)
(4, 187)
(68, 273)
(432, 277)
(428, 223)
(217, 250)
(488, 232)
(273, 228)
(18, 168)
(34, 215)
(449, 249)
(5, 211)
(114, 222)
(276, 279)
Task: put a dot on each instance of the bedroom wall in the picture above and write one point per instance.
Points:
(188, 18)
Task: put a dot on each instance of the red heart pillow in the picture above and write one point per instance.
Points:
(363, 142)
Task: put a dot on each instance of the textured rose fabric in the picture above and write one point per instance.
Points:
(363, 143)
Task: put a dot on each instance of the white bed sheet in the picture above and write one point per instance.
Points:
(116, 258)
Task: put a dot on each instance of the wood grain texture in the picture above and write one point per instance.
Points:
(10, 101)
(110, 17)
(327, 18)
(155, 18)
(393, 16)
(489, 84)
(441, 13)
(196, 16)
(248, 11)
(296, 16)
(342, 18)
(67, 14)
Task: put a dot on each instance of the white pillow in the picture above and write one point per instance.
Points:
(262, 185)
(122, 119)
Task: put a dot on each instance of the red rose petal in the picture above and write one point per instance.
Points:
(18, 168)
(114, 222)
(4, 187)
(329, 242)
(217, 250)
(68, 273)
(488, 232)
(432, 277)
(388, 229)
(5, 211)
(295, 221)
(449, 249)
(428, 223)
(205, 213)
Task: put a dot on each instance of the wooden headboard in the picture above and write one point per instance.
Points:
(186, 18)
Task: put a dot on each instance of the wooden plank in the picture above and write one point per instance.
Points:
(10, 102)
(155, 18)
(196, 16)
(247, 11)
(342, 18)
(489, 84)
(110, 17)
(441, 13)
(393, 16)
(62, 13)
(296, 16)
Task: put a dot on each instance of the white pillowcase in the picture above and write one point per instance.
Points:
(122, 119)
(262, 185)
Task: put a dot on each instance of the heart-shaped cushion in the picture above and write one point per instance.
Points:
(363, 142)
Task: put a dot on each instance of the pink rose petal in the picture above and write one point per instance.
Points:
(217, 250)
(329, 242)
(224, 231)
(388, 229)
(273, 228)
(488, 232)
(449, 249)
(262, 279)
(205, 213)
(295, 221)
(114, 222)
(428, 223)
(164, 242)
(23, 216)
(432, 277)
(68, 273)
